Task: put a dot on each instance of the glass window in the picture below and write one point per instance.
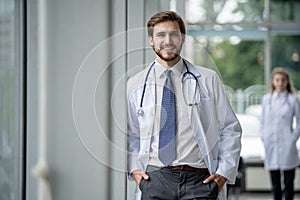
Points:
(10, 102)
(224, 11)
(285, 53)
(283, 10)
(245, 40)
(233, 58)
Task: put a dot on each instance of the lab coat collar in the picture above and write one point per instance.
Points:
(192, 68)
(277, 95)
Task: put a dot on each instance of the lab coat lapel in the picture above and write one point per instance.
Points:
(201, 121)
(149, 102)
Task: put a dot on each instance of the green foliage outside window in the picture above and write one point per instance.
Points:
(240, 65)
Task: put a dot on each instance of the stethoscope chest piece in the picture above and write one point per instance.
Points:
(140, 112)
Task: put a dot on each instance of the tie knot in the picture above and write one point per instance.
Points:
(168, 73)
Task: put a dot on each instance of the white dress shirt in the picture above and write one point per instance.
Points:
(187, 150)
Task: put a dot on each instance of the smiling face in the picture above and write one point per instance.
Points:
(279, 82)
(167, 42)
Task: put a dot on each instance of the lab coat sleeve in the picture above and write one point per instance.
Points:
(133, 137)
(296, 131)
(229, 142)
(262, 118)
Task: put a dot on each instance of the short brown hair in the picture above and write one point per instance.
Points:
(280, 70)
(163, 17)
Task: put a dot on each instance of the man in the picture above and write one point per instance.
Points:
(183, 137)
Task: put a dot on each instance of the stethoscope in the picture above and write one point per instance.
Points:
(140, 111)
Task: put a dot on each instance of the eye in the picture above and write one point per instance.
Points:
(161, 34)
(175, 34)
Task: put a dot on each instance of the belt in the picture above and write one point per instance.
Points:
(188, 168)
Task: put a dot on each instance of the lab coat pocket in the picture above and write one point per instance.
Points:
(205, 110)
(193, 92)
(290, 153)
(146, 120)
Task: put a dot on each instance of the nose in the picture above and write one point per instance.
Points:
(168, 39)
(281, 82)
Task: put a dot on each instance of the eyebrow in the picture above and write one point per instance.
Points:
(167, 31)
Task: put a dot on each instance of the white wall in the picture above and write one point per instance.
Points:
(74, 28)
(86, 62)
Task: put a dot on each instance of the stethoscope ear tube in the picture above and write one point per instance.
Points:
(143, 95)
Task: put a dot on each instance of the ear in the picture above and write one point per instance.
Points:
(150, 39)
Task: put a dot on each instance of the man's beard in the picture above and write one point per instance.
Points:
(175, 55)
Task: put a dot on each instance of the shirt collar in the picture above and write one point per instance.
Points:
(277, 95)
(177, 69)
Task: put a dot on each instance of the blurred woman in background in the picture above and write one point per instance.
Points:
(279, 108)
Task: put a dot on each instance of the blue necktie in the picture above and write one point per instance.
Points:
(167, 141)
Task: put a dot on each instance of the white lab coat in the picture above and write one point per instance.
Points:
(277, 132)
(215, 125)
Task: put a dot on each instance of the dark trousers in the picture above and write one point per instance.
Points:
(289, 176)
(171, 184)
